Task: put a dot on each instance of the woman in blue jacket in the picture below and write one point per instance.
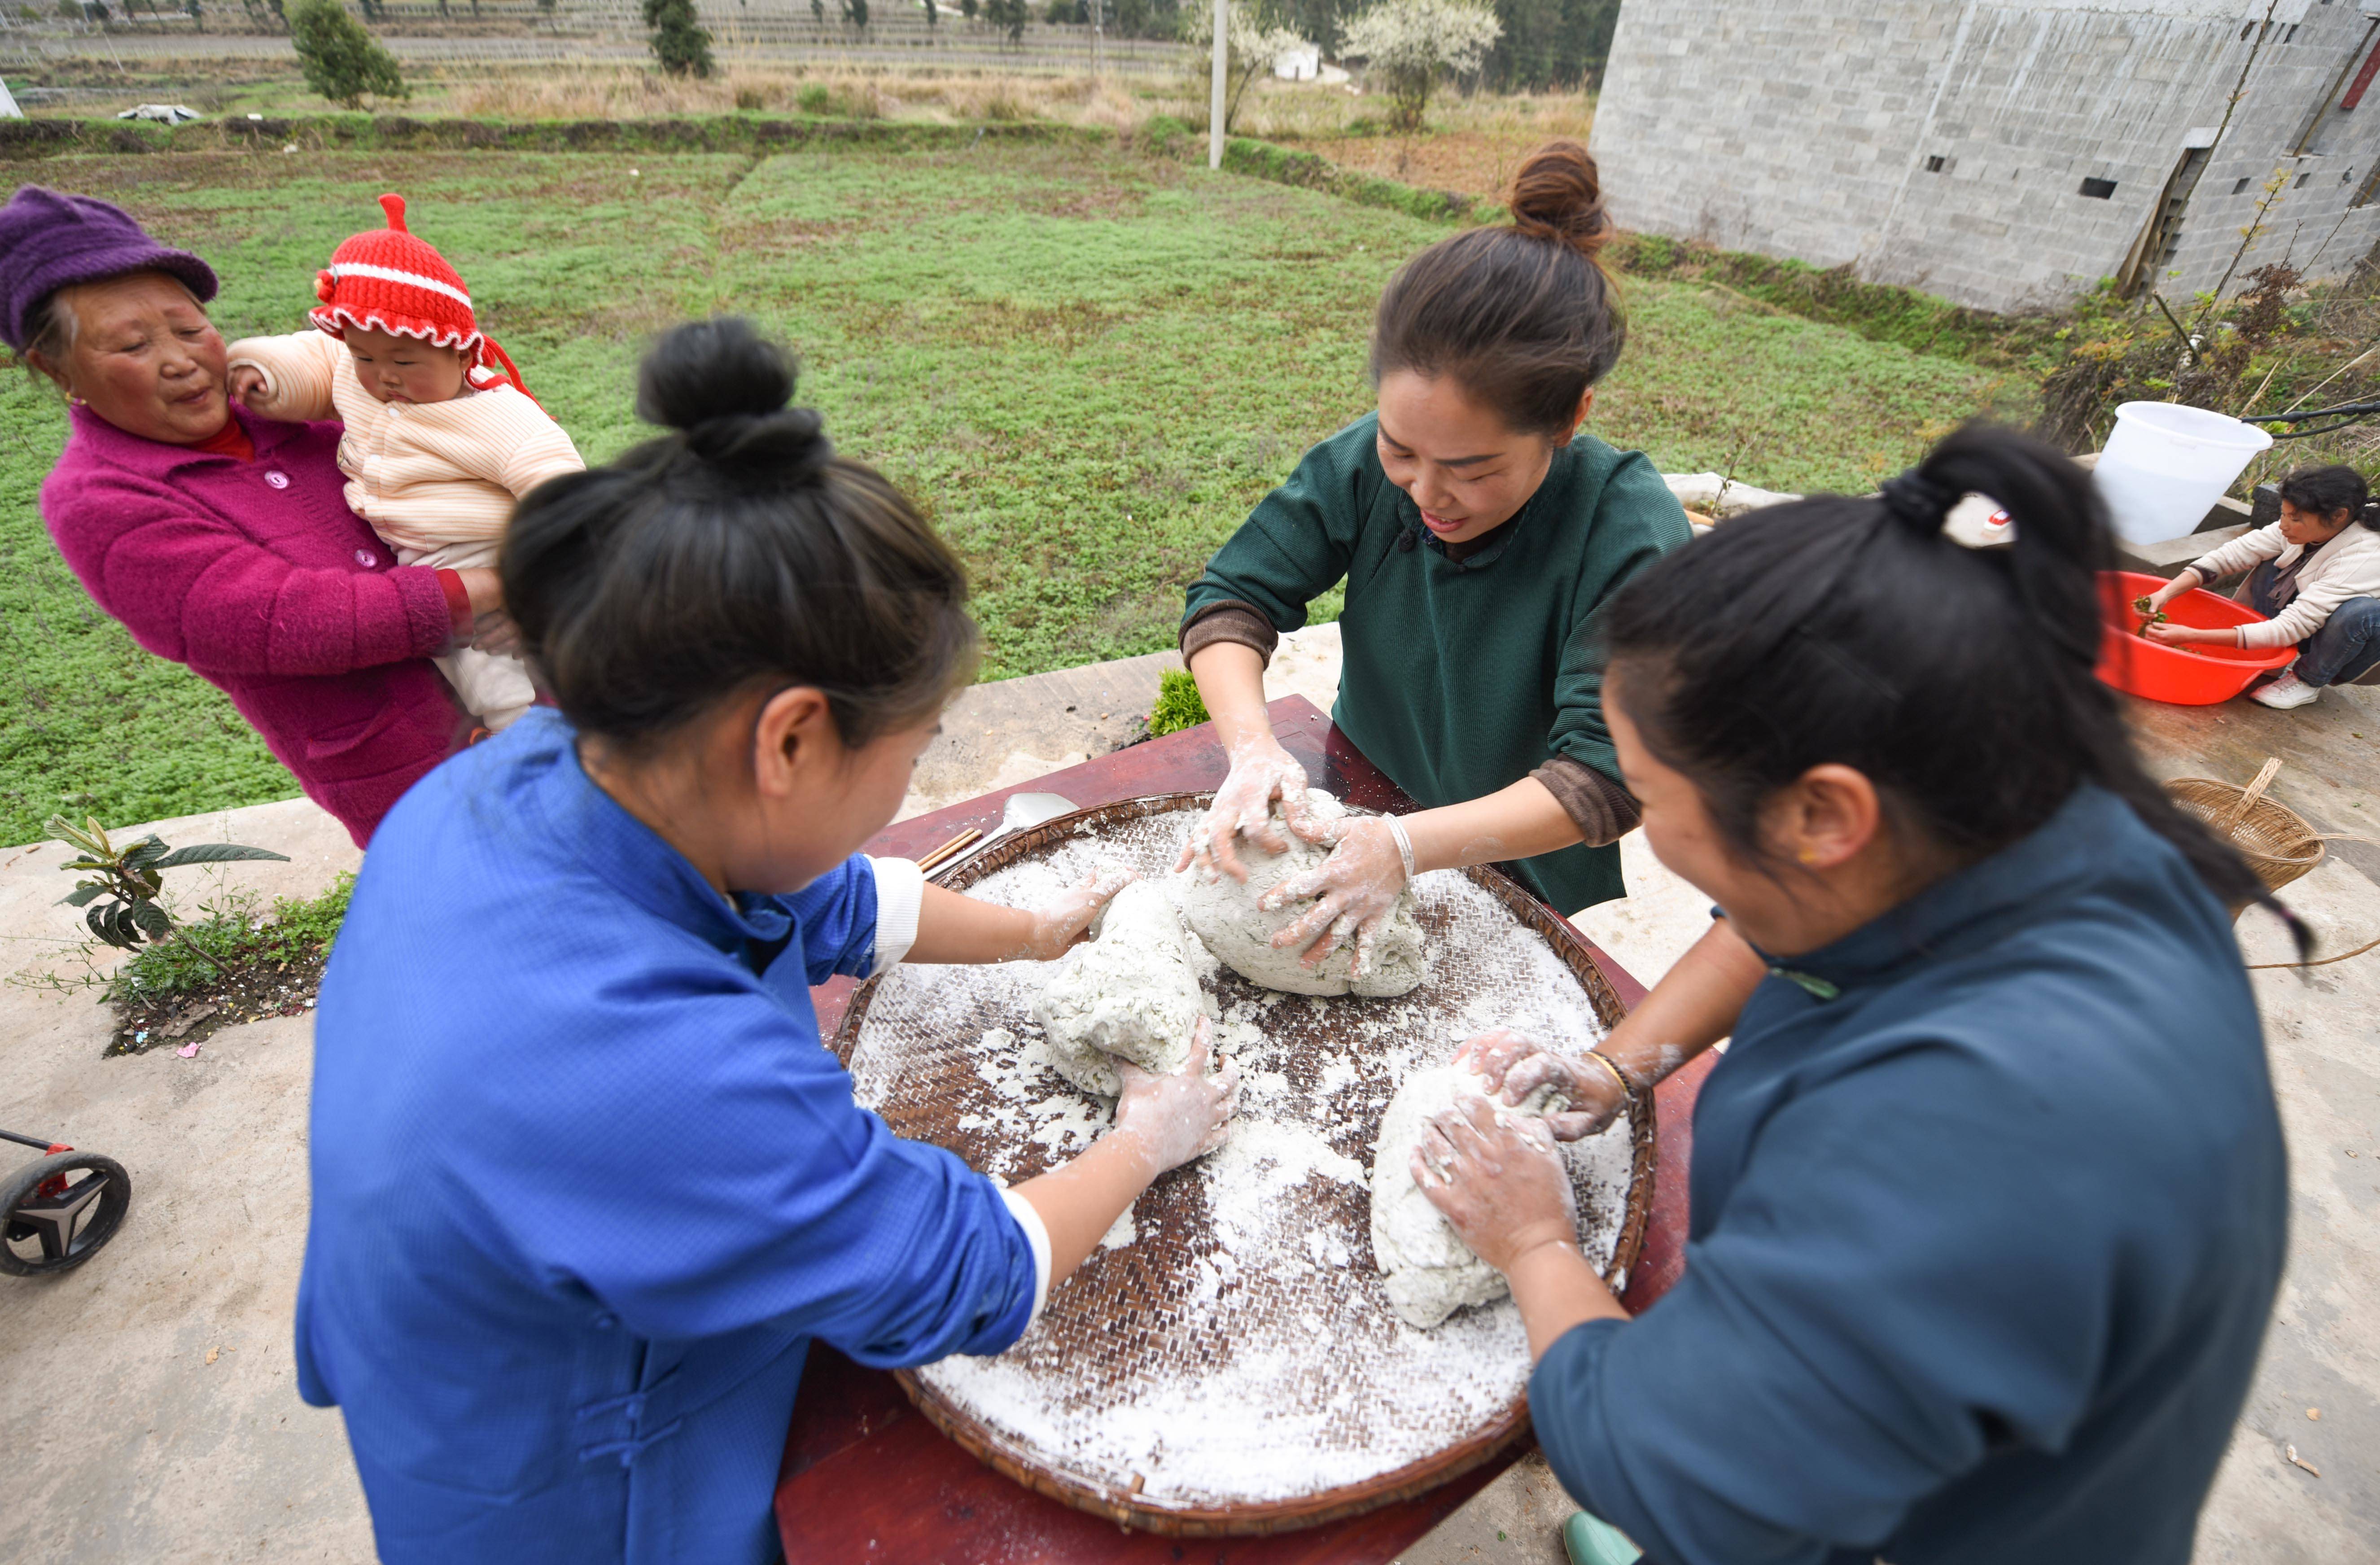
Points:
(586, 1182)
(1988, 1194)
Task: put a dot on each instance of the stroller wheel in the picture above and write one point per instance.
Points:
(58, 1211)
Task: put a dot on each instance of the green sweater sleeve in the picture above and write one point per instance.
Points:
(1637, 520)
(1298, 541)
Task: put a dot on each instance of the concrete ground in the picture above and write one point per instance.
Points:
(155, 1415)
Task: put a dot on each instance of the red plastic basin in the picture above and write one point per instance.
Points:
(2191, 676)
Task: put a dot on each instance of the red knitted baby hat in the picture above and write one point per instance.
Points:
(389, 281)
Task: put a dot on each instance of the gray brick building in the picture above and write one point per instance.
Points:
(2003, 154)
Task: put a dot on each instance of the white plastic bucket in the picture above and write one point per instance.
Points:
(2167, 465)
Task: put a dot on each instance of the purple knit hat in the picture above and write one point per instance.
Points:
(49, 241)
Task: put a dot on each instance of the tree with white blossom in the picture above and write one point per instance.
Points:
(1256, 49)
(1408, 44)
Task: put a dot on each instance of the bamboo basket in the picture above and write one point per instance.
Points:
(2277, 840)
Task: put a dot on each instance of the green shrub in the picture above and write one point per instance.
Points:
(1163, 135)
(1179, 705)
(297, 933)
(342, 61)
(680, 43)
(814, 98)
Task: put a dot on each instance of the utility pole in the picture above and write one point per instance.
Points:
(1099, 39)
(1215, 97)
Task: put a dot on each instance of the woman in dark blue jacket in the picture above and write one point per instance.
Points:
(1989, 1200)
(586, 1182)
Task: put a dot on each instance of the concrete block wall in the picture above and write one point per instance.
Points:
(1944, 145)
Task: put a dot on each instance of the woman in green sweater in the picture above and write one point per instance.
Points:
(1480, 534)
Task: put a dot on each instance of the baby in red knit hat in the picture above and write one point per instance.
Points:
(439, 441)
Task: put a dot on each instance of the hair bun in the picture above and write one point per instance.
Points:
(786, 446)
(725, 387)
(1558, 195)
(710, 370)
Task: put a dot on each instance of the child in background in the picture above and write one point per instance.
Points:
(438, 444)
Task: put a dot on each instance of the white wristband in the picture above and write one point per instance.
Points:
(1037, 1238)
(1404, 844)
(900, 895)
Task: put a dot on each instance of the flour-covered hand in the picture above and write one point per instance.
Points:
(1500, 1180)
(1514, 1065)
(1174, 1119)
(1261, 773)
(1060, 924)
(1353, 891)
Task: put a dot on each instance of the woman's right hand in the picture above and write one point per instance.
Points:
(1174, 1119)
(1514, 1064)
(1261, 773)
(2171, 590)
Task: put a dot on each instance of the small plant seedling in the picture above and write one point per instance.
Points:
(1178, 705)
(131, 878)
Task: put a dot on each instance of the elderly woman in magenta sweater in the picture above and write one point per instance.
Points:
(219, 539)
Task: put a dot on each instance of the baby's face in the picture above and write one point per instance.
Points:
(398, 369)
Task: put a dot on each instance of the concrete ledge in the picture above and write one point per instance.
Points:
(2168, 557)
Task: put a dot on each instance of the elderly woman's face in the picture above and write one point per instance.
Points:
(145, 356)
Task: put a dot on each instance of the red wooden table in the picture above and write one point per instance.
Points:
(866, 1478)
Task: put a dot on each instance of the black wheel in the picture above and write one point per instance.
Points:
(60, 1210)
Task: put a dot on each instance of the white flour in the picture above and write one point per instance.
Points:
(1230, 1341)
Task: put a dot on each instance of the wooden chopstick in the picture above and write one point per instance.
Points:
(950, 848)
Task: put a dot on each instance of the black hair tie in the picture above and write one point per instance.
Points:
(1921, 504)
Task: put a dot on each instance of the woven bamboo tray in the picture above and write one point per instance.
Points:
(1148, 1322)
(2278, 842)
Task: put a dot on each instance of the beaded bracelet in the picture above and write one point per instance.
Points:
(1600, 1057)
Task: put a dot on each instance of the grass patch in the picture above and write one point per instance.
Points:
(1283, 166)
(1086, 362)
(1877, 311)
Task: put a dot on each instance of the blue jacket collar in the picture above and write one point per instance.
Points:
(631, 858)
(1976, 905)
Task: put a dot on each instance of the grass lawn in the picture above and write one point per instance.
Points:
(1086, 363)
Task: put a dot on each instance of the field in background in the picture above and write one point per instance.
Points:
(1087, 363)
(1470, 145)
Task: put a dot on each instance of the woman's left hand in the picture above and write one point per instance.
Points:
(495, 632)
(2171, 634)
(1500, 1180)
(1514, 1065)
(492, 629)
(1355, 891)
(1059, 925)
